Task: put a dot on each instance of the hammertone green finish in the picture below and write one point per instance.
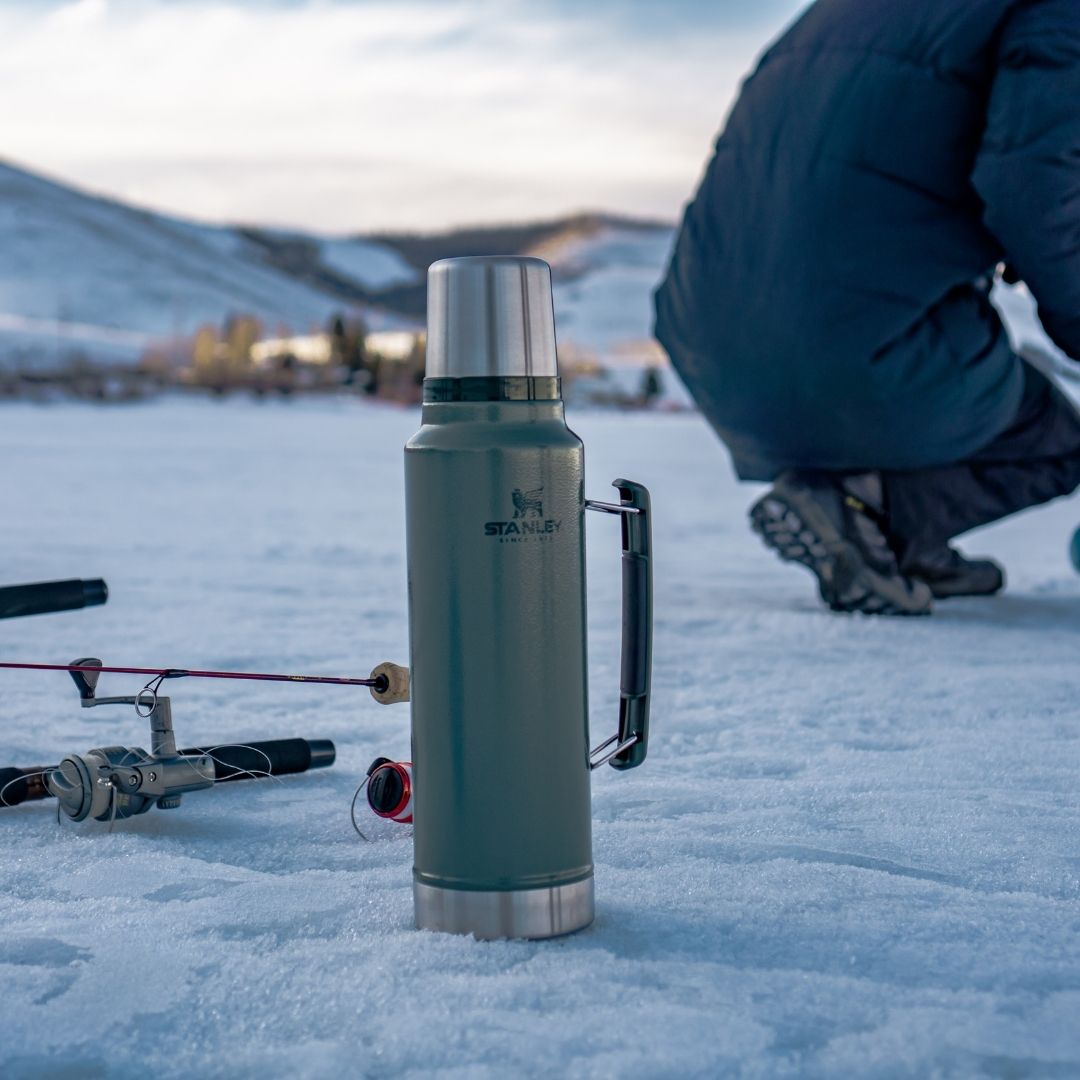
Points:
(498, 647)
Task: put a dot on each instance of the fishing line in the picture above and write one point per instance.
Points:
(253, 773)
(352, 808)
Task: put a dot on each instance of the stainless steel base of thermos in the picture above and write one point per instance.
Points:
(518, 913)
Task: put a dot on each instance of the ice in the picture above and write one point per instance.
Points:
(852, 851)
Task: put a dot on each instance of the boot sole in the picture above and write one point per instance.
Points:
(946, 591)
(981, 577)
(803, 534)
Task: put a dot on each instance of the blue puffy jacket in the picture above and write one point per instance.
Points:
(884, 156)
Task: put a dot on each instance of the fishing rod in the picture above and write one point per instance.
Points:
(115, 782)
(111, 783)
(387, 682)
(48, 596)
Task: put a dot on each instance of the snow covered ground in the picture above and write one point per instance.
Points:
(853, 849)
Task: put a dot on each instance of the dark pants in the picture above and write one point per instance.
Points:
(1037, 458)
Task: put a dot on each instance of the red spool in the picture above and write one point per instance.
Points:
(390, 790)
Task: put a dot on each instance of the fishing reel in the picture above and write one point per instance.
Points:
(117, 781)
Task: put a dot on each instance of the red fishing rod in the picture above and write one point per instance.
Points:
(388, 682)
(49, 596)
(379, 680)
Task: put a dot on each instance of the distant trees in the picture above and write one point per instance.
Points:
(349, 351)
(652, 386)
(220, 362)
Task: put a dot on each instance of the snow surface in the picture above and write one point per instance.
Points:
(1020, 314)
(852, 851)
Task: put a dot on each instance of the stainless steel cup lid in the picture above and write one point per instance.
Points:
(490, 316)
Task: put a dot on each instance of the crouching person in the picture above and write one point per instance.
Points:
(827, 299)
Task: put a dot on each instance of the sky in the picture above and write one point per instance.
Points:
(370, 115)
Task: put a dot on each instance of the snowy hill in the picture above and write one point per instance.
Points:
(604, 268)
(603, 286)
(89, 275)
(78, 272)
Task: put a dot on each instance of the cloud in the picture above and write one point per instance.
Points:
(366, 116)
(77, 15)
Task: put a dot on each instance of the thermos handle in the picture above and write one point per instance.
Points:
(629, 745)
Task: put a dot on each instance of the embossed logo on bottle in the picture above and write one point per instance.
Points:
(528, 502)
(528, 522)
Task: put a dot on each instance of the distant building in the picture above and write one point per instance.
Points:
(307, 348)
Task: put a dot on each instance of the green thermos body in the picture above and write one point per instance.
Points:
(495, 509)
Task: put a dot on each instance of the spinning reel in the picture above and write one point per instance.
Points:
(120, 782)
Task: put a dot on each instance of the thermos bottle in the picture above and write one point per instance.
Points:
(496, 564)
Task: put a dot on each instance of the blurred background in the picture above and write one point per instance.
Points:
(231, 196)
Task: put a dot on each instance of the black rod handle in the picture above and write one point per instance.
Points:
(238, 761)
(23, 785)
(43, 597)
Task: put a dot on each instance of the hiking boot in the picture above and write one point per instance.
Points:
(833, 524)
(948, 573)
